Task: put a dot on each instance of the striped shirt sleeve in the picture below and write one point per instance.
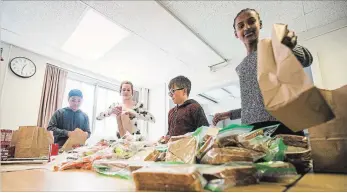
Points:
(235, 114)
(303, 55)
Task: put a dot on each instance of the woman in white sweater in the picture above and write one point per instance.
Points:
(128, 112)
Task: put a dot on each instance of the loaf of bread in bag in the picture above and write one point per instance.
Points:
(168, 178)
(217, 156)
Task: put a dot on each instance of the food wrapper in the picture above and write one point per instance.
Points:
(218, 156)
(271, 149)
(298, 152)
(84, 163)
(201, 132)
(127, 149)
(115, 168)
(294, 140)
(300, 157)
(183, 150)
(209, 142)
(278, 171)
(153, 156)
(223, 177)
(172, 179)
(228, 135)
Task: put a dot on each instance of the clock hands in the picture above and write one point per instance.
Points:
(24, 67)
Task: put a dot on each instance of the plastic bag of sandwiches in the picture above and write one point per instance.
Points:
(219, 156)
(182, 150)
(260, 141)
(166, 178)
(119, 168)
(223, 177)
(277, 171)
(228, 135)
(115, 168)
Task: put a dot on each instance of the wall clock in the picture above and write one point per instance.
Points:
(23, 67)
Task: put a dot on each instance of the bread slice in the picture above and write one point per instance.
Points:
(294, 140)
(168, 179)
(182, 150)
(217, 156)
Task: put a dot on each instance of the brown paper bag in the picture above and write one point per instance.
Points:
(329, 140)
(79, 138)
(31, 142)
(287, 91)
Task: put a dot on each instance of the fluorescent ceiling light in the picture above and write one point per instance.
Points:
(217, 94)
(94, 36)
(203, 100)
(235, 90)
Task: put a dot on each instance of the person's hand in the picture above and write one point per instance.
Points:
(290, 39)
(69, 133)
(130, 113)
(164, 139)
(117, 110)
(72, 133)
(219, 117)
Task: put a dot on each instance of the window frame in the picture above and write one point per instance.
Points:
(99, 84)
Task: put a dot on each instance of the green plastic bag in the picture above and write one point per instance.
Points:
(277, 171)
(123, 173)
(276, 150)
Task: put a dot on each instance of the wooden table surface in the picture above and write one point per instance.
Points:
(313, 182)
(78, 180)
(72, 180)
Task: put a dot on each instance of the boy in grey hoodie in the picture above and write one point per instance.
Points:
(64, 121)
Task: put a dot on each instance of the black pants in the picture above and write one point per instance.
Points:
(282, 129)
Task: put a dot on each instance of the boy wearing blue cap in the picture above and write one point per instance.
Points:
(64, 121)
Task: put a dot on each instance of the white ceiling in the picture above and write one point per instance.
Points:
(160, 46)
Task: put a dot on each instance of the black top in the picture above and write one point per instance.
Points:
(65, 120)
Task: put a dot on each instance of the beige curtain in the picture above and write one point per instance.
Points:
(52, 94)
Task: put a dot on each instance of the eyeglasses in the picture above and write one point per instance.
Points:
(172, 91)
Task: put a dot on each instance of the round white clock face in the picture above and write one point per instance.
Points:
(23, 67)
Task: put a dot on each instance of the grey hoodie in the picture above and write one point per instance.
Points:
(65, 120)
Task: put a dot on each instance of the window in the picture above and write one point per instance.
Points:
(97, 97)
(88, 96)
(107, 126)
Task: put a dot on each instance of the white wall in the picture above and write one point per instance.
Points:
(21, 97)
(329, 51)
(159, 106)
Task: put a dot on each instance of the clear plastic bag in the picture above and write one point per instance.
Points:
(277, 171)
(228, 135)
(260, 141)
(127, 149)
(169, 179)
(218, 156)
(183, 150)
(84, 163)
(115, 168)
(208, 144)
(142, 154)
